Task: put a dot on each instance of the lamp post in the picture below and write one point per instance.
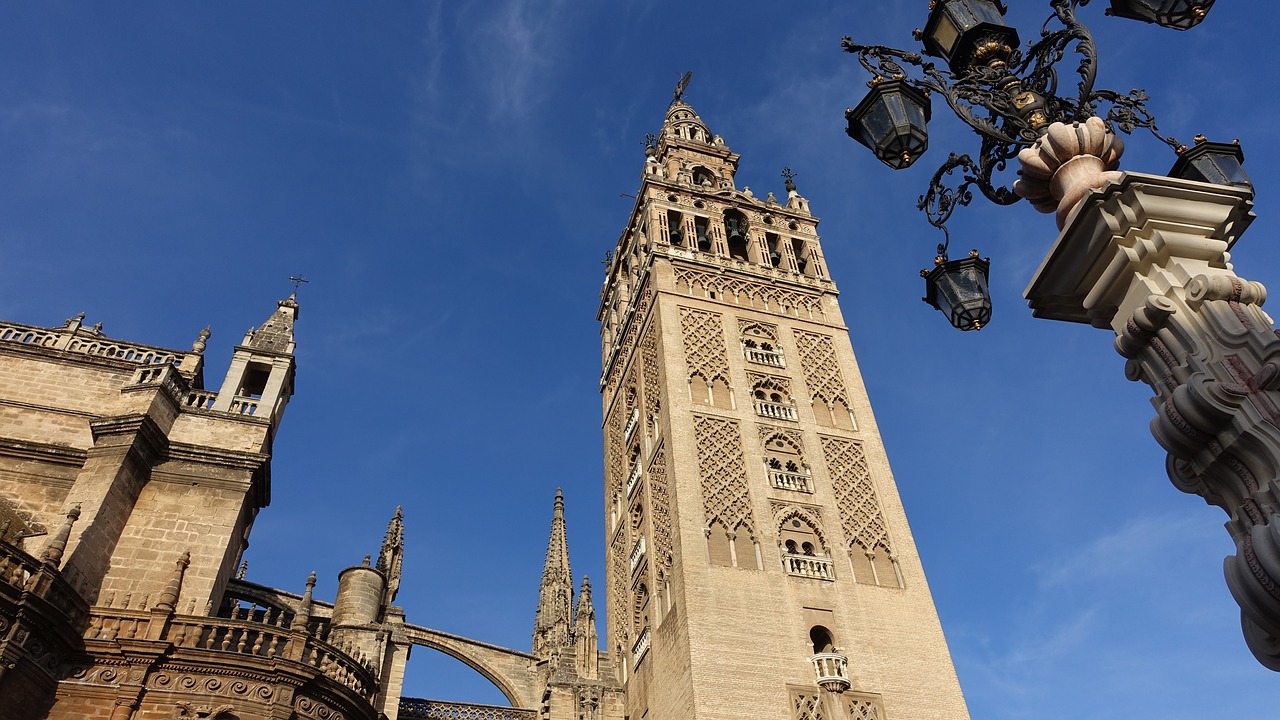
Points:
(1145, 256)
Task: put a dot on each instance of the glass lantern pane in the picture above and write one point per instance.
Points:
(946, 33)
(897, 113)
(986, 11)
(877, 124)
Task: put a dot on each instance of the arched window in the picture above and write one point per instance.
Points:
(735, 232)
(821, 639)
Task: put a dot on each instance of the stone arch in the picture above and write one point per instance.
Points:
(805, 519)
(508, 670)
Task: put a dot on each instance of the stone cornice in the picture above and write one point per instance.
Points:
(44, 452)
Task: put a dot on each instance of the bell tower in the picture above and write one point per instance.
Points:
(759, 562)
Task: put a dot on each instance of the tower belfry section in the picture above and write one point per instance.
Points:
(759, 562)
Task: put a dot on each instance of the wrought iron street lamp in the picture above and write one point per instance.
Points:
(1145, 256)
(1009, 95)
(1176, 14)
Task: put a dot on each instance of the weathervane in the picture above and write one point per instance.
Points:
(790, 177)
(297, 280)
(681, 86)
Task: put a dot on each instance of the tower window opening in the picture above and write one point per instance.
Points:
(702, 177)
(255, 380)
(802, 258)
(775, 249)
(735, 229)
(700, 230)
(821, 639)
(675, 223)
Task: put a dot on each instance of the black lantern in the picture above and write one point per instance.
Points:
(1213, 162)
(892, 120)
(1176, 14)
(963, 32)
(959, 289)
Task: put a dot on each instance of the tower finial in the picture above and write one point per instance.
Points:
(552, 623)
(678, 95)
(168, 600)
(391, 556)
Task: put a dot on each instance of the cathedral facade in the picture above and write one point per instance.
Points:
(759, 563)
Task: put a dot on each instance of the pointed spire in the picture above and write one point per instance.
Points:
(168, 600)
(586, 641)
(276, 334)
(552, 623)
(58, 545)
(303, 616)
(392, 554)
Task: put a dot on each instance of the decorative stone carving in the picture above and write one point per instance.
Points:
(1066, 163)
(1147, 258)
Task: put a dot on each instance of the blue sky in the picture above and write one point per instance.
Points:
(448, 175)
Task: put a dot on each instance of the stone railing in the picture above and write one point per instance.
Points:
(418, 709)
(790, 481)
(640, 648)
(201, 399)
(73, 339)
(634, 478)
(764, 357)
(23, 575)
(775, 411)
(832, 670)
(241, 405)
(810, 566)
(637, 553)
(730, 263)
(632, 422)
(246, 639)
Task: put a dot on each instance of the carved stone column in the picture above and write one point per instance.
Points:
(1146, 256)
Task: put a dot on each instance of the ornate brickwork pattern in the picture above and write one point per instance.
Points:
(807, 705)
(856, 499)
(767, 432)
(821, 371)
(863, 707)
(759, 296)
(704, 349)
(614, 452)
(760, 380)
(660, 510)
(723, 469)
(649, 371)
(618, 589)
(751, 328)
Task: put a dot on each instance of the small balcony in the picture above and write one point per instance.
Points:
(833, 671)
(775, 411)
(795, 482)
(634, 478)
(809, 566)
(637, 554)
(771, 358)
(632, 423)
(640, 648)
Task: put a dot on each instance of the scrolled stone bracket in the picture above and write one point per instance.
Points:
(1147, 257)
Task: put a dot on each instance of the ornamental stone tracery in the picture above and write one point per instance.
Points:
(721, 465)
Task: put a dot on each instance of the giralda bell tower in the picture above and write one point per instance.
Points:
(759, 561)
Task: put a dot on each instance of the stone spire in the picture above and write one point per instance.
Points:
(586, 642)
(392, 554)
(276, 334)
(552, 623)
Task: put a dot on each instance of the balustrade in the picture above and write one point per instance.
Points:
(764, 357)
(637, 553)
(790, 481)
(810, 566)
(249, 636)
(634, 478)
(640, 648)
(418, 709)
(632, 422)
(832, 670)
(775, 411)
(201, 399)
(241, 405)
